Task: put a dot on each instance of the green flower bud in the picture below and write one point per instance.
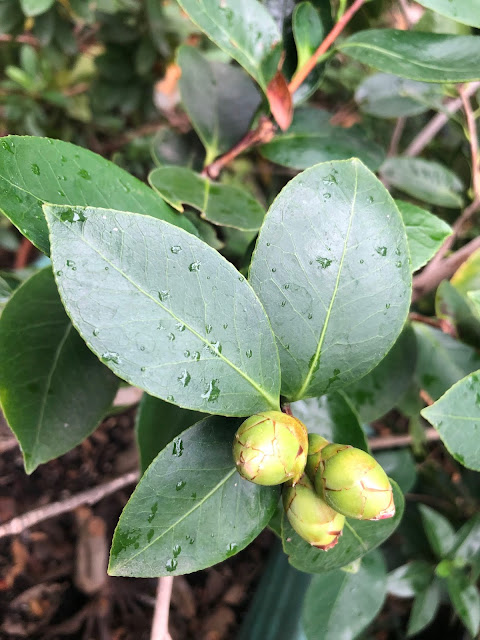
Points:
(271, 448)
(353, 483)
(310, 515)
(315, 445)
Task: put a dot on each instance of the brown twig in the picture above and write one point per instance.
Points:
(304, 71)
(23, 253)
(90, 496)
(473, 139)
(23, 38)
(396, 136)
(162, 608)
(438, 323)
(394, 442)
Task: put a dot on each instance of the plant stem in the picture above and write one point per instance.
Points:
(396, 136)
(162, 608)
(473, 139)
(304, 71)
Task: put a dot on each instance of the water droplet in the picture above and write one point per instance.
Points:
(59, 273)
(63, 159)
(6, 146)
(184, 378)
(194, 495)
(323, 262)
(310, 316)
(241, 278)
(61, 193)
(107, 268)
(153, 511)
(387, 306)
(124, 186)
(397, 252)
(186, 353)
(72, 215)
(249, 353)
(268, 244)
(398, 264)
(327, 196)
(111, 356)
(274, 269)
(225, 326)
(171, 564)
(330, 179)
(180, 326)
(180, 484)
(83, 173)
(232, 548)
(283, 303)
(196, 355)
(208, 328)
(190, 539)
(382, 251)
(143, 369)
(212, 391)
(362, 261)
(96, 332)
(177, 447)
(176, 248)
(171, 337)
(163, 295)
(70, 263)
(177, 550)
(35, 169)
(370, 199)
(170, 399)
(194, 266)
(286, 286)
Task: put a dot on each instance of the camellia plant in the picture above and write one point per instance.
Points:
(266, 343)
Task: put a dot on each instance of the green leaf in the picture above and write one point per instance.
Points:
(456, 417)
(245, 30)
(312, 139)
(409, 579)
(424, 609)
(440, 532)
(467, 542)
(157, 424)
(460, 311)
(359, 537)
(220, 100)
(466, 601)
(33, 8)
(378, 391)
(341, 604)
(53, 390)
(336, 284)
(474, 297)
(164, 311)
(222, 204)
(441, 360)
(464, 11)
(309, 27)
(398, 464)
(333, 418)
(184, 150)
(425, 232)
(425, 180)
(38, 170)
(386, 96)
(428, 57)
(467, 276)
(191, 509)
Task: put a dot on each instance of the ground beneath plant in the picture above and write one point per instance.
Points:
(53, 582)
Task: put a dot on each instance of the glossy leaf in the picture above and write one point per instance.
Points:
(309, 27)
(425, 232)
(424, 609)
(456, 417)
(191, 509)
(157, 424)
(184, 150)
(164, 311)
(245, 30)
(441, 360)
(341, 604)
(53, 390)
(220, 100)
(460, 311)
(222, 204)
(440, 532)
(338, 283)
(33, 8)
(464, 11)
(474, 297)
(466, 601)
(428, 57)
(409, 579)
(38, 170)
(332, 417)
(467, 542)
(378, 391)
(424, 179)
(359, 537)
(387, 96)
(467, 276)
(398, 464)
(312, 139)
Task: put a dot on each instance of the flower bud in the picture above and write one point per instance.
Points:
(353, 483)
(270, 448)
(310, 515)
(315, 445)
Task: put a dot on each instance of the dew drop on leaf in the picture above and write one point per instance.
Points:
(212, 391)
(194, 266)
(163, 295)
(171, 564)
(35, 169)
(208, 328)
(176, 248)
(180, 484)
(111, 356)
(249, 353)
(382, 251)
(177, 447)
(323, 262)
(184, 378)
(83, 173)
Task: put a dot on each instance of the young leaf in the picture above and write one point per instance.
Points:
(474, 297)
(425, 180)
(312, 139)
(221, 204)
(343, 604)
(464, 11)
(424, 609)
(358, 538)
(333, 418)
(467, 277)
(53, 390)
(309, 27)
(428, 57)
(440, 532)
(425, 233)
(456, 417)
(245, 30)
(336, 283)
(220, 100)
(409, 579)
(157, 424)
(467, 542)
(378, 391)
(466, 601)
(33, 8)
(164, 311)
(38, 170)
(280, 100)
(460, 311)
(191, 509)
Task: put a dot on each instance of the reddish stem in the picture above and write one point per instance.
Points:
(23, 254)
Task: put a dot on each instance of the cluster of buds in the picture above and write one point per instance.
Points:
(323, 482)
